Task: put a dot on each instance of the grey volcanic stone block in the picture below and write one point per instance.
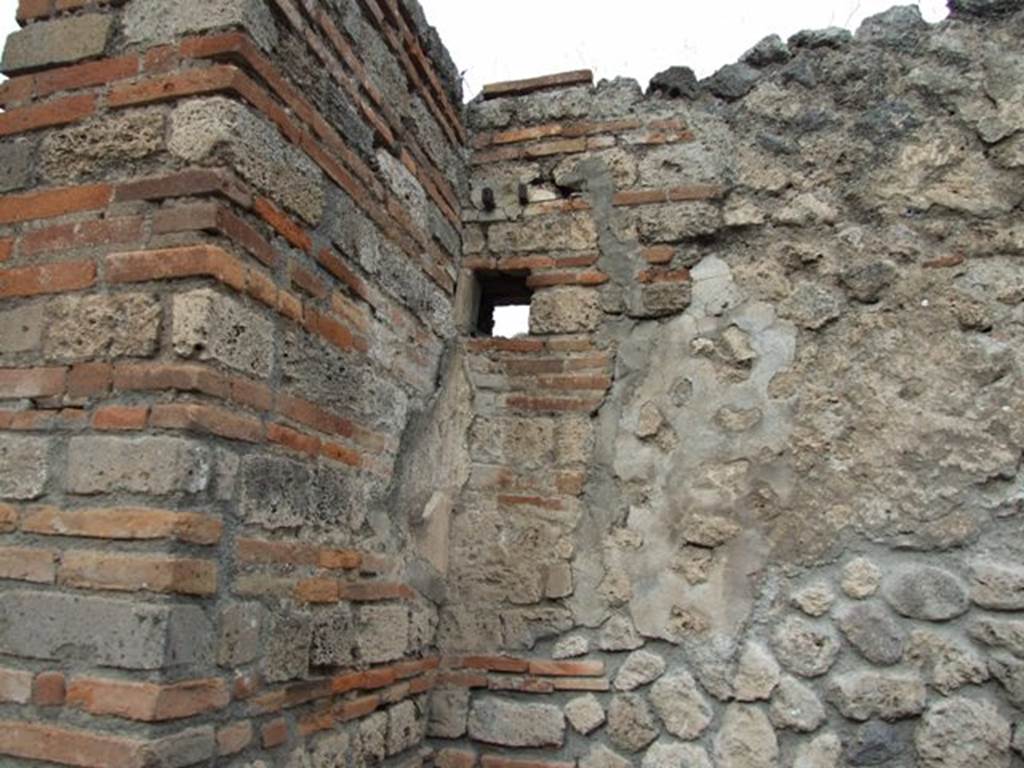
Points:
(100, 631)
(152, 465)
(159, 21)
(23, 467)
(513, 724)
(63, 41)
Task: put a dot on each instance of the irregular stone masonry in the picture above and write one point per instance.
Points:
(747, 494)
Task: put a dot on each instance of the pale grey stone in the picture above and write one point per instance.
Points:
(253, 147)
(564, 310)
(108, 144)
(870, 694)
(631, 724)
(999, 633)
(805, 648)
(449, 713)
(160, 21)
(823, 751)
(585, 713)
(126, 634)
(619, 634)
(640, 668)
(239, 637)
(155, 465)
(185, 748)
(601, 756)
(946, 663)
(873, 632)
(962, 733)
(683, 709)
(926, 592)
(746, 739)
(24, 467)
(15, 172)
(286, 654)
(102, 327)
(21, 329)
(333, 643)
(757, 673)
(406, 729)
(815, 599)
(998, 586)
(382, 632)
(60, 41)
(509, 723)
(208, 325)
(861, 578)
(796, 706)
(665, 754)
(570, 647)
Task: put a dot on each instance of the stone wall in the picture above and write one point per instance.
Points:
(229, 237)
(748, 494)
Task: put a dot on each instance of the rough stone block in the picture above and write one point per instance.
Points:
(287, 651)
(383, 633)
(160, 21)
(102, 327)
(406, 728)
(449, 713)
(565, 310)
(333, 642)
(240, 625)
(111, 143)
(47, 43)
(254, 148)
(152, 465)
(15, 165)
(96, 630)
(23, 466)
(274, 491)
(208, 325)
(513, 724)
(21, 329)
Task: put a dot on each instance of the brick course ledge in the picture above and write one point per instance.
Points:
(534, 84)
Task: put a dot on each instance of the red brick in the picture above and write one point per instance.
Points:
(167, 263)
(126, 523)
(371, 591)
(943, 262)
(34, 9)
(163, 88)
(659, 254)
(120, 417)
(275, 552)
(240, 232)
(80, 235)
(356, 708)
(15, 686)
(46, 115)
(533, 84)
(162, 58)
(147, 702)
(455, 758)
(317, 590)
(339, 559)
(6, 248)
(184, 377)
(47, 278)
(184, 184)
(132, 573)
(233, 738)
(274, 733)
(283, 224)
(552, 404)
(186, 217)
(580, 683)
(495, 761)
(8, 518)
(496, 663)
(560, 147)
(290, 438)
(18, 383)
(567, 668)
(664, 276)
(89, 379)
(53, 202)
(252, 393)
(505, 345)
(207, 418)
(28, 564)
(67, 746)
(48, 689)
(547, 279)
(84, 75)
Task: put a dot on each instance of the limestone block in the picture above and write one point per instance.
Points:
(796, 706)
(333, 641)
(23, 466)
(62, 41)
(383, 632)
(287, 649)
(160, 21)
(565, 310)
(254, 147)
(585, 713)
(823, 751)
(513, 724)
(757, 673)
(104, 326)
(240, 625)
(631, 724)
(601, 756)
(963, 733)
(406, 728)
(15, 165)
(449, 713)
(640, 668)
(671, 755)
(805, 648)
(997, 586)
(873, 631)
(926, 592)
(683, 709)
(946, 664)
(572, 232)
(208, 325)
(861, 578)
(127, 634)
(108, 144)
(154, 465)
(274, 491)
(746, 739)
(815, 599)
(889, 696)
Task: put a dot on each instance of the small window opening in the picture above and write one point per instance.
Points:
(504, 308)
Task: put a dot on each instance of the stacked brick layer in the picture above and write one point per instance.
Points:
(229, 234)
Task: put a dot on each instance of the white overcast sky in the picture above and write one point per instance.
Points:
(493, 41)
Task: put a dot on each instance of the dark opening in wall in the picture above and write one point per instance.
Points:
(504, 306)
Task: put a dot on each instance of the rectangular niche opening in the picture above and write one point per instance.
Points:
(504, 307)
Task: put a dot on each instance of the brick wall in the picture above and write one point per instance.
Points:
(229, 234)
